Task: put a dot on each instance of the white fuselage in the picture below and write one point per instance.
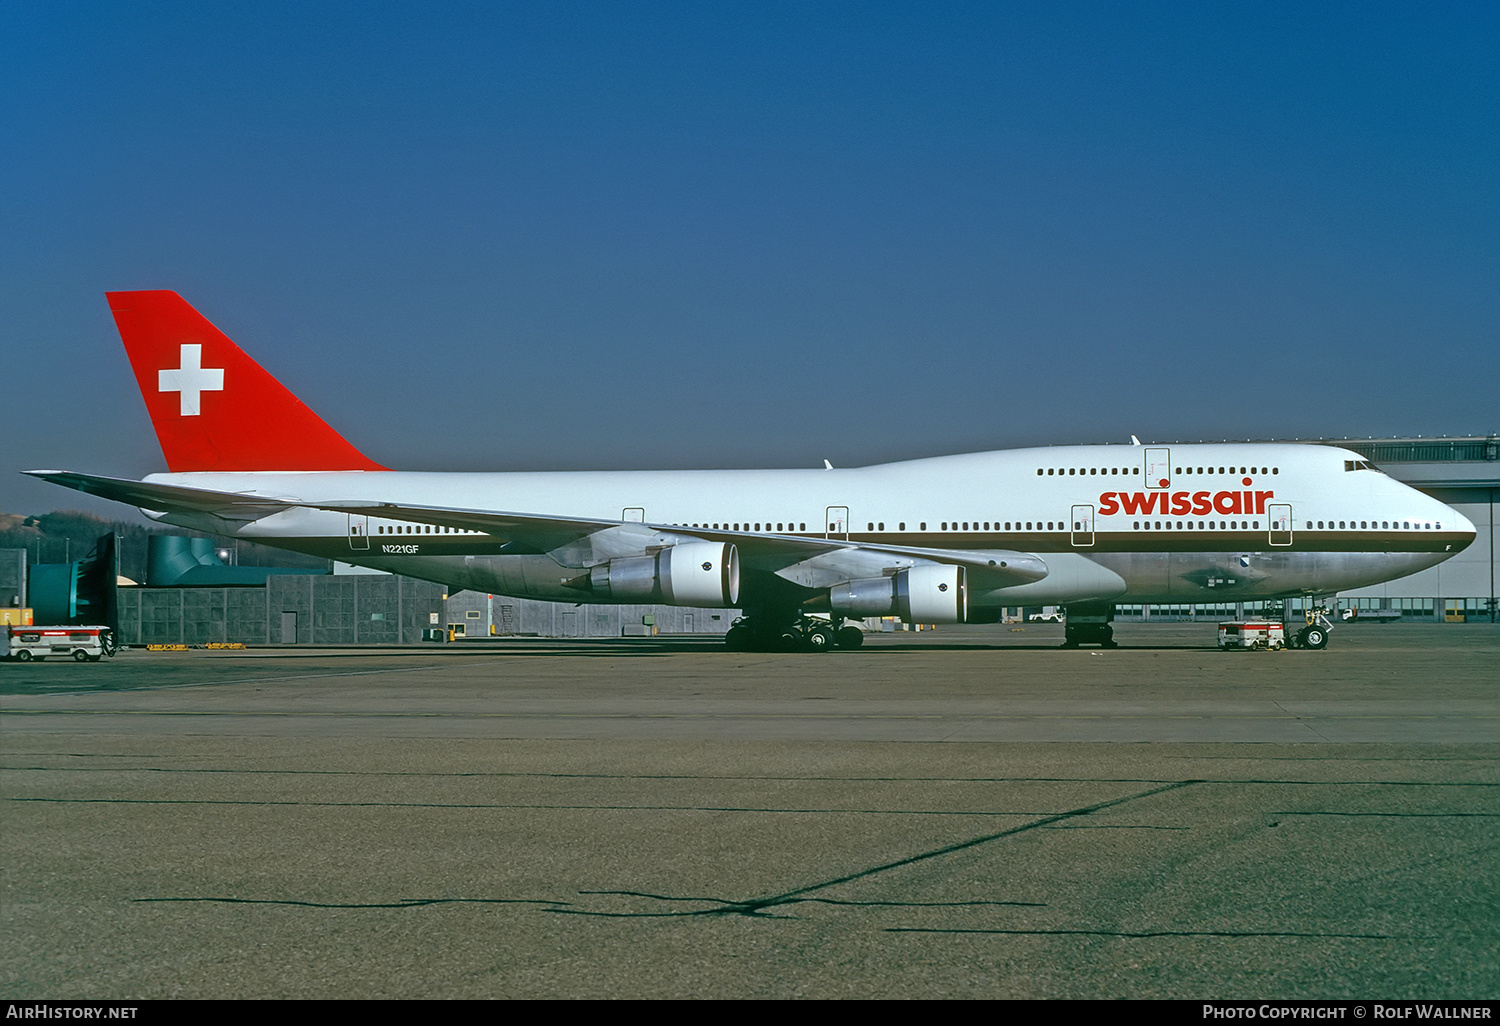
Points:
(1179, 523)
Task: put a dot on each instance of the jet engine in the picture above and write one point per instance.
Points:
(686, 574)
(918, 594)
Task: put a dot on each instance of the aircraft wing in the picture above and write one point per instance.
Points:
(761, 551)
(525, 532)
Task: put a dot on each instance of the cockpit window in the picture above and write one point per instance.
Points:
(1358, 465)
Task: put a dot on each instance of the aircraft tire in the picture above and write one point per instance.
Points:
(739, 638)
(820, 639)
(1315, 638)
(851, 637)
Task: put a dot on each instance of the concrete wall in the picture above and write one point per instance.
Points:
(478, 611)
(351, 610)
(12, 577)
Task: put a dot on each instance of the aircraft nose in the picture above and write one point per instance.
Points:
(1463, 526)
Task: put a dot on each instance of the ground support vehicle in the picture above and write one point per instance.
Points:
(1252, 634)
(83, 643)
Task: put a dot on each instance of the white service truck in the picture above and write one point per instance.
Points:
(83, 643)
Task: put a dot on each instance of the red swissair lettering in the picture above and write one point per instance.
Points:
(1182, 503)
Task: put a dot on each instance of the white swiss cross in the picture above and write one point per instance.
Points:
(192, 379)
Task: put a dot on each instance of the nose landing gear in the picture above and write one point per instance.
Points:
(1315, 635)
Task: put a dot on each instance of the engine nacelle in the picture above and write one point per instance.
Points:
(686, 574)
(919, 594)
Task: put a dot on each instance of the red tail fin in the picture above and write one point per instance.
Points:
(213, 407)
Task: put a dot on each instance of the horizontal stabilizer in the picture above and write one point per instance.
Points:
(168, 498)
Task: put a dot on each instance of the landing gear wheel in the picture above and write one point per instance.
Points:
(739, 638)
(789, 639)
(820, 639)
(851, 637)
(80, 656)
(1315, 638)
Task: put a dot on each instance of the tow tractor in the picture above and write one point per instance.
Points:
(1252, 634)
(83, 643)
(1272, 634)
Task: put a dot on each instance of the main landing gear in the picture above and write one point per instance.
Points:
(798, 634)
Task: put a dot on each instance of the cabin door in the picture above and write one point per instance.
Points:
(837, 519)
(1281, 523)
(1158, 468)
(1082, 533)
(359, 532)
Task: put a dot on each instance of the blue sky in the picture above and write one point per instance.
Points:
(622, 235)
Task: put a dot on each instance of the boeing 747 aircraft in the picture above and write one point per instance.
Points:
(952, 539)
